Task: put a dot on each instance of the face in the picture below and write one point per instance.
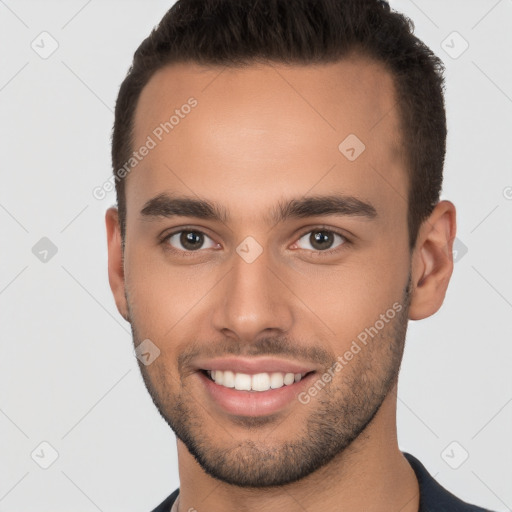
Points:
(256, 244)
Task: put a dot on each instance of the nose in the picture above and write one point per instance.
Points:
(253, 301)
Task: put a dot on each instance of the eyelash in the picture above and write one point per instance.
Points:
(185, 254)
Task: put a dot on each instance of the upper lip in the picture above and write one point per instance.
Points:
(253, 365)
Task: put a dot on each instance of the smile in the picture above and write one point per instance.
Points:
(258, 394)
(255, 382)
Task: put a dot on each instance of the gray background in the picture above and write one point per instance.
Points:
(68, 374)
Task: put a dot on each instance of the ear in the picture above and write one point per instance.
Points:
(115, 261)
(432, 261)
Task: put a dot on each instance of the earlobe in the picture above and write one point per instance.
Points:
(115, 261)
(432, 263)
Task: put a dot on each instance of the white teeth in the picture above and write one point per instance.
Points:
(242, 382)
(276, 380)
(256, 382)
(228, 379)
(260, 382)
(289, 378)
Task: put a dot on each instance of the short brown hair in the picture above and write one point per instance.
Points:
(238, 32)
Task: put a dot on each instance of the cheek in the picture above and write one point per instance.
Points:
(162, 295)
(350, 297)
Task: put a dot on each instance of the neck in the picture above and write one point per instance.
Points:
(371, 475)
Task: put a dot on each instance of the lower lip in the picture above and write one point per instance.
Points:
(253, 403)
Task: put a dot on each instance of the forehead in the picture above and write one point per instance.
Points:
(266, 130)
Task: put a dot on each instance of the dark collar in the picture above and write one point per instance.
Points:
(433, 496)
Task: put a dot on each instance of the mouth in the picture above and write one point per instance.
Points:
(259, 382)
(255, 395)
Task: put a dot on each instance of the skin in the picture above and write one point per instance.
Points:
(260, 135)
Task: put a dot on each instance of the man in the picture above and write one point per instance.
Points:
(278, 165)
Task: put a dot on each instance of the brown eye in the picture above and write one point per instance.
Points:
(321, 240)
(189, 240)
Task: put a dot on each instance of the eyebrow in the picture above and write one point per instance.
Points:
(168, 206)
